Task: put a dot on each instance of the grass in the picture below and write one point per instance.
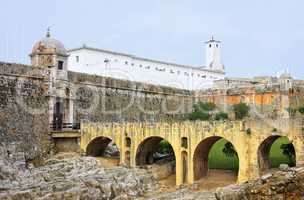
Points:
(276, 156)
(218, 160)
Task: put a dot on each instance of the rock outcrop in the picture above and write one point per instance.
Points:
(72, 178)
(284, 184)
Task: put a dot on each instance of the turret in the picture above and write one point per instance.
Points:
(213, 55)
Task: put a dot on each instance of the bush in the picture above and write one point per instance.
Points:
(301, 110)
(241, 110)
(196, 115)
(204, 106)
(221, 116)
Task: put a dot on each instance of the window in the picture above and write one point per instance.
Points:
(126, 62)
(77, 58)
(184, 142)
(132, 64)
(128, 142)
(216, 45)
(60, 65)
(140, 65)
(209, 45)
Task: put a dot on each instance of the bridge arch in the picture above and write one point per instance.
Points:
(146, 148)
(201, 156)
(98, 145)
(263, 154)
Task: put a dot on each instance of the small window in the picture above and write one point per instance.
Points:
(128, 142)
(77, 58)
(126, 62)
(216, 45)
(209, 45)
(140, 65)
(132, 64)
(60, 65)
(184, 142)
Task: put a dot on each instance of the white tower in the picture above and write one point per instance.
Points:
(213, 55)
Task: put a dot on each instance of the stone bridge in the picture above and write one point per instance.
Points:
(191, 142)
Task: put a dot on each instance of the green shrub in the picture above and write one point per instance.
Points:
(196, 115)
(301, 110)
(241, 110)
(221, 116)
(204, 106)
(248, 131)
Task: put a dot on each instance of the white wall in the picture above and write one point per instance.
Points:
(136, 69)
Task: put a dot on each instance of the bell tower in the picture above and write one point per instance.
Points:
(213, 55)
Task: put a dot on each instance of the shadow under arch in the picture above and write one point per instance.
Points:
(146, 149)
(98, 145)
(263, 154)
(201, 156)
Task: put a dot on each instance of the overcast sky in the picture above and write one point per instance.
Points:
(259, 37)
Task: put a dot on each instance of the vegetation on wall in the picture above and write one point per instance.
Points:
(206, 111)
(301, 110)
(241, 110)
(221, 116)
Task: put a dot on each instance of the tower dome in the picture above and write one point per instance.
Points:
(48, 46)
(49, 52)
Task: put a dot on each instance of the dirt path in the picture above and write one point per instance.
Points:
(217, 178)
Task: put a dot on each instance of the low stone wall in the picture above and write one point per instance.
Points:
(66, 145)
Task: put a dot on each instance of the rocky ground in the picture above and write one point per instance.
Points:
(72, 178)
(67, 176)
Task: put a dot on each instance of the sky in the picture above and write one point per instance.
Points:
(258, 37)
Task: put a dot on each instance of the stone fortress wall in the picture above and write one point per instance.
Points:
(25, 110)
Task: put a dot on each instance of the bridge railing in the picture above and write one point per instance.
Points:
(64, 126)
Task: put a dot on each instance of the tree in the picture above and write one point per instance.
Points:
(241, 110)
(165, 147)
(229, 150)
(288, 150)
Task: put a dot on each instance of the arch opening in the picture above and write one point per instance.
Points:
(274, 151)
(215, 163)
(105, 150)
(159, 156)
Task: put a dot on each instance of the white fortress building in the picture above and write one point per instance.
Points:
(130, 67)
